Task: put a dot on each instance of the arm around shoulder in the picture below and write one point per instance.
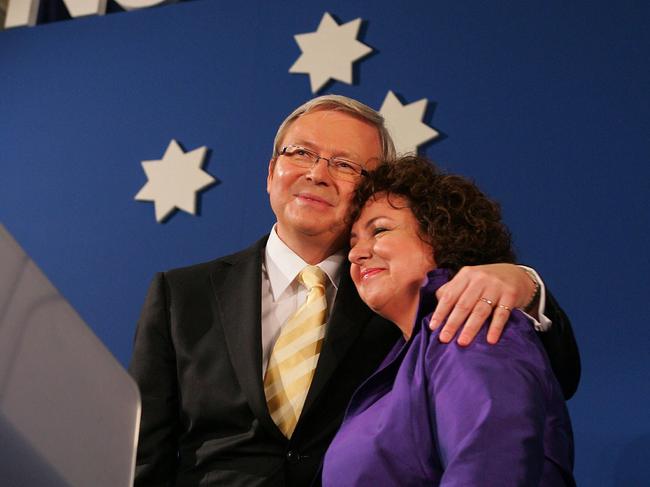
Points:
(561, 347)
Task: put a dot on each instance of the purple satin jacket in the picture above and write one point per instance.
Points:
(440, 414)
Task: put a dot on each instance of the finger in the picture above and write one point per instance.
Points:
(447, 296)
(463, 308)
(480, 313)
(498, 323)
(501, 314)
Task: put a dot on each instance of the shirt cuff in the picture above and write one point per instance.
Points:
(544, 323)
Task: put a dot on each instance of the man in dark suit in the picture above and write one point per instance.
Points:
(207, 332)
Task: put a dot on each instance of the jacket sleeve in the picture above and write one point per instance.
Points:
(153, 366)
(561, 347)
(488, 412)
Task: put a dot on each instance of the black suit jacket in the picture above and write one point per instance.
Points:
(198, 362)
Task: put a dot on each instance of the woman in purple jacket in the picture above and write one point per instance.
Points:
(433, 413)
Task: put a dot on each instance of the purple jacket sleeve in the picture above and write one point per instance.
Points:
(488, 408)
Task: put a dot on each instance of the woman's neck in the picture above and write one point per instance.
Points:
(405, 320)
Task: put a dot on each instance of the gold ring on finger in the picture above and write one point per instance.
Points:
(487, 301)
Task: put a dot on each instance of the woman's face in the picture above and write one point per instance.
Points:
(389, 259)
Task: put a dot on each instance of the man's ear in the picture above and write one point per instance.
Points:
(269, 177)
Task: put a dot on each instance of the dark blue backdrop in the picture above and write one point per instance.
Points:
(545, 104)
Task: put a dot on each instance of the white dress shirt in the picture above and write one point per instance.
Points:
(282, 294)
(544, 323)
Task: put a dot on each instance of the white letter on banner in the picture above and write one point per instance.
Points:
(24, 12)
(21, 12)
(135, 4)
(80, 8)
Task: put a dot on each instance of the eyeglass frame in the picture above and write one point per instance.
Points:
(317, 157)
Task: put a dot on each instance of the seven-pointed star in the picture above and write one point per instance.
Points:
(405, 124)
(174, 180)
(329, 52)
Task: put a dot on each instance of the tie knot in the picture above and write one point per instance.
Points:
(312, 276)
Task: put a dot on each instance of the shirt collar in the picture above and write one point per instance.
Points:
(283, 265)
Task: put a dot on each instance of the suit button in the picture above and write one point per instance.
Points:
(293, 456)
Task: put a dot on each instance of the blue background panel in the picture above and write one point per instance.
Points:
(544, 104)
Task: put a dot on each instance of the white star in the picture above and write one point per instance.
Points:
(329, 52)
(405, 124)
(174, 180)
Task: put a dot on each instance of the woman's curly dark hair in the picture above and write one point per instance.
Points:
(462, 224)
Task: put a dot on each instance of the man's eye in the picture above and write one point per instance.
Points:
(344, 166)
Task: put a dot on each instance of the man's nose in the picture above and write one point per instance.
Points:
(319, 171)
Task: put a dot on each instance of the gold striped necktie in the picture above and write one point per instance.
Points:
(295, 354)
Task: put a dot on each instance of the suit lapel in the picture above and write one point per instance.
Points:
(349, 317)
(237, 288)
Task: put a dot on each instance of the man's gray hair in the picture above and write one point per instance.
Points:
(342, 104)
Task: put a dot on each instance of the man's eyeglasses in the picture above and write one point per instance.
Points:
(338, 168)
